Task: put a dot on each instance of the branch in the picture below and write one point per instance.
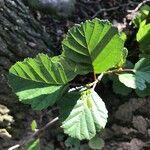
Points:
(116, 71)
(133, 13)
(34, 135)
(111, 9)
(119, 71)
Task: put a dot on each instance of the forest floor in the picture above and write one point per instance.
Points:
(128, 126)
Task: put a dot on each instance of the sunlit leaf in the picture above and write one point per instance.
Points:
(83, 114)
(40, 81)
(96, 44)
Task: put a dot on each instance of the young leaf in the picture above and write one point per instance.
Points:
(95, 44)
(120, 88)
(140, 76)
(83, 114)
(96, 143)
(40, 81)
(33, 125)
(33, 145)
(143, 37)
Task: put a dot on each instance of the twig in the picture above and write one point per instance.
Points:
(119, 71)
(93, 84)
(138, 6)
(133, 13)
(97, 80)
(34, 135)
(110, 9)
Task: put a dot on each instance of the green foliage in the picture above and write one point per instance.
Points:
(145, 92)
(142, 69)
(33, 125)
(40, 81)
(95, 44)
(132, 81)
(33, 145)
(143, 37)
(72, 143)
(139, 77)
(123, 57)
(120, 88)
(83, 114)
(96, 143)
(142, 15)
(92, 46)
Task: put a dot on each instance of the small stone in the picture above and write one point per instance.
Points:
(61, 8)
(148, 131)
(3, 110)
(140, 124)
(136, 144)
(4, 134)
(125, 111)
(122, 130)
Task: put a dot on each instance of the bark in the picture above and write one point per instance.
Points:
(21, 35)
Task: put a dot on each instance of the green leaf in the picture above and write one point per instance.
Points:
(72, 143)
(142, 69)
(120, 88)
(33, 125)
(83, 114)
(33, 145)
(143, 37)
(123, 57)
(132, 81)
(96, 143)
(145, 92)
(129, 65)
(40, 81)
(95, 44)
(142, 15)
(140, 77)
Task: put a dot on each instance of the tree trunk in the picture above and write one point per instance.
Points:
(21, 35)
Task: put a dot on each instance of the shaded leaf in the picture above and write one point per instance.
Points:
(83, 114)
(120, 88)
(72, 143)
(95, 44)
(142, 69)
(145, 92)
(96, 143)
(33, 145)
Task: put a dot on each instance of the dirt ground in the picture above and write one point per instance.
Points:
(128, 126)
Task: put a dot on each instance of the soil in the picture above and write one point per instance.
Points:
(128, 126)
